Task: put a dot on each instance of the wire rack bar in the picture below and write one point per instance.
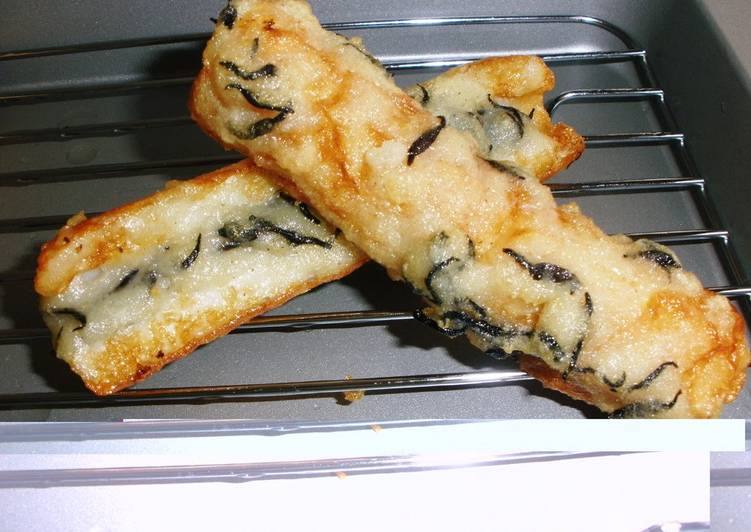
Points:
(128, 127)
(332, 26)
(44, 223)
(619, 140)
(112, 129)
(261, 391)
(113, 89)
(606, 95)
(29, 177)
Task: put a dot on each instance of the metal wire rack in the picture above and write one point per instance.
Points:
(688, 181)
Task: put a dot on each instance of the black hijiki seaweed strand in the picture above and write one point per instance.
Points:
(511, 112)
(544, 270)
(420, 316)
(125, 281)
(588, 304)
(614, 385)
(503, 167)
(645, 408)
(665, 260)
(228, 15)
(191, 258)
(265, 71)
(151, 278)
(424, 141)
(237, 233)
(372, 59)
(254, 101)
(425, 94)
(549, 341)
(259, 128)
(435, 270)
(652, 376)
(302, 207)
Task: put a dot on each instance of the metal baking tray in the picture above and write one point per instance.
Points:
(93, 114)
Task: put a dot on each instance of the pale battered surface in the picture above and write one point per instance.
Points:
(617, 323)
(140, 286)
(499, 101)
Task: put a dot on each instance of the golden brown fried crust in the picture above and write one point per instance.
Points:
(128, 357)
(715, 378)
(129, 370)
(626, 324)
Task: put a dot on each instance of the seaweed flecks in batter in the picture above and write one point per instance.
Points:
(661, 258)
(365, 53)
(481, 326)
(435, 270)
(302, 207)
(77, 315)
(255, 102)
(506, 168)
(549, 341)
(424, 141)
(425, 94)
(191, 258)
(499, 353)
(296, 239)
(305, 210)
(615, 384)
(512, 113)
(574, 360)
(544, 270)
(652, 376)
(479, 310)
(471, 249)
(151, 277)
(237, 233)
(249, 75)
(645, 408)
(588, 303)
(422, 317)
(126, 280)
(228, 15)
(226, 246)
(259, 128)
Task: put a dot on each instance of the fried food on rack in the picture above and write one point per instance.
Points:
(120, 360)
(140, 286)
(615, 322)
(498, 101)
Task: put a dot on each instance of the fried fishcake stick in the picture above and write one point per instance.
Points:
(614, 322)
(140, 286)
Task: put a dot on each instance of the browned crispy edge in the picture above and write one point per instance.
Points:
(584, 391)
(146, 371)
(67, 235)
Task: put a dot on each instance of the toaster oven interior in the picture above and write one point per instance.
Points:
(93, 115)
